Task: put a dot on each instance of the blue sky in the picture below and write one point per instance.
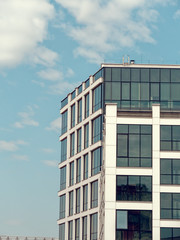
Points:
(46, 49)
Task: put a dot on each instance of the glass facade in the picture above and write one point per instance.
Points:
(141, 87)
(170, 138)
(85, 175)
(170, 205)
(78, 170)
(85, 197)
(79, 111)
(133, 188)
(63, 150)
(78, 200)
(62, 206)
(170, 233)
(96, 161)
(64, 122)
(133, 224)
(84, 228)
(62, 231)
(134, 145)
(170, 171)
(77, 229)
(94, 194)
(71, 201)
(62, 178)
(87, 105)
(73, 115)
(97, 98)
(72, 144)
(79, 140)
(86, 135)
(94, 226)
(71, 174)
(70, 230)
(97, 129)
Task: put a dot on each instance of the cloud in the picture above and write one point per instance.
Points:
(51, 163)
(62, 87)
(51, 74)
(48, 150)
(55, 125)
(26, 119)
(21, 157)
(177, 14)
(10, 146)
(23, 26)
(101, 26)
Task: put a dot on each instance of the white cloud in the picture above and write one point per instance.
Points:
(51, 74)
(10, 146)
(105, 26)
(51, 163)
(55, 125)
(177, 14)
(26, 119)
(48, 150)
(23, 25)
(61, 87)
(20, 157)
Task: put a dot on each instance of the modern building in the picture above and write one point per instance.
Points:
(120, 155)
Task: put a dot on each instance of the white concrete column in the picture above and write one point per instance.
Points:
(156, 171)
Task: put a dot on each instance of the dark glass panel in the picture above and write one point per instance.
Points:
(176, 214)
(165, 132)
(122, 128)
(146, 221)
(122, 235)
(166, 200)
(108, 90)
(125, 74)
(165, 75)
(107, 72)
(166, 214)
(176, 201)
(146, 129)
(144, 75)
(176, 146)
(134, 128)
(116, 90)
(165, 166)
(175, 90)
(176, 166)
(176, 233)
(176, 133)
(146, 162)
(122, 162)
(133, 220)
(165, 92)
(145, 91)
(166, 179)
(125, 91)
(154, 75)
(154, 91)
(116, 74)
(121, 180)
(146, 184)
(146, 148)
(166, 234)
(166, 146)
(122, 145)
(134, 162)
(135, 74)
(176, 179)
(146, 236)
(134, 142)
(175, 75)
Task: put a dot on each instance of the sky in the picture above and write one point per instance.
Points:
(47, 48)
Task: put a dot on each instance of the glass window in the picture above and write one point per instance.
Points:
(78, 170)
(144, 74)
(170, 233)
(145, 91)
(78, 200)
(73, 94)
(62, 178)
(170, 138)
(64, 102)
(134, 145)
(79, 111)
(165, 75)
(64, 122)
(155, 91)
(70, 235)
(63, 150)
(97, 129)
(170, 205)
(87, 83)
(86, 135)
(116, 90)
(87, 105)
(62, 206)
(94, 194)
(62, 231)
(72, 143)
(135, 74)
(108, 90)
(96, 161)
(133, 224)
(85, 166)
(80, 89)
(135, 91)
(98, 75)
(97, 98)
(175, 75)
(125, 91)
(71, 203)
(165, 92)
(116, 74)
(71, 174)
(84, 228)
(107, 72)
(134, 188)
(154, 75)
(79, 140)
(170, 171)
(126, 74)
(77, 229)
(85, 197)
(73, 115)
(94, 226)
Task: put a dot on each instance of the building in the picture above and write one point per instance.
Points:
(120, 155)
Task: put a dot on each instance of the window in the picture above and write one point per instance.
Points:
(79, 111)
(97, 129)
(73, 115)
(170, 233)
(133, 224)
(86, 135)
(87, 105)
(84, 228)
(80, 89)
(62, 178)
(170, 138)
(85, 175)
(134, 145)
(170, 171)
(170, 205)
(78, 170)
(97, 98)
(71, 203)
(73, 94)
(62, 231)
(94, 226)
(72, 143)
(96, 161)
(78, 200)
(79, 140)
(85, 197)
(71, 175)
(134, 188)
(63, 150)
(94, 194)
(87, 83)
(64, 122)
(70, 225)
(77, 226)
(62, 206)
